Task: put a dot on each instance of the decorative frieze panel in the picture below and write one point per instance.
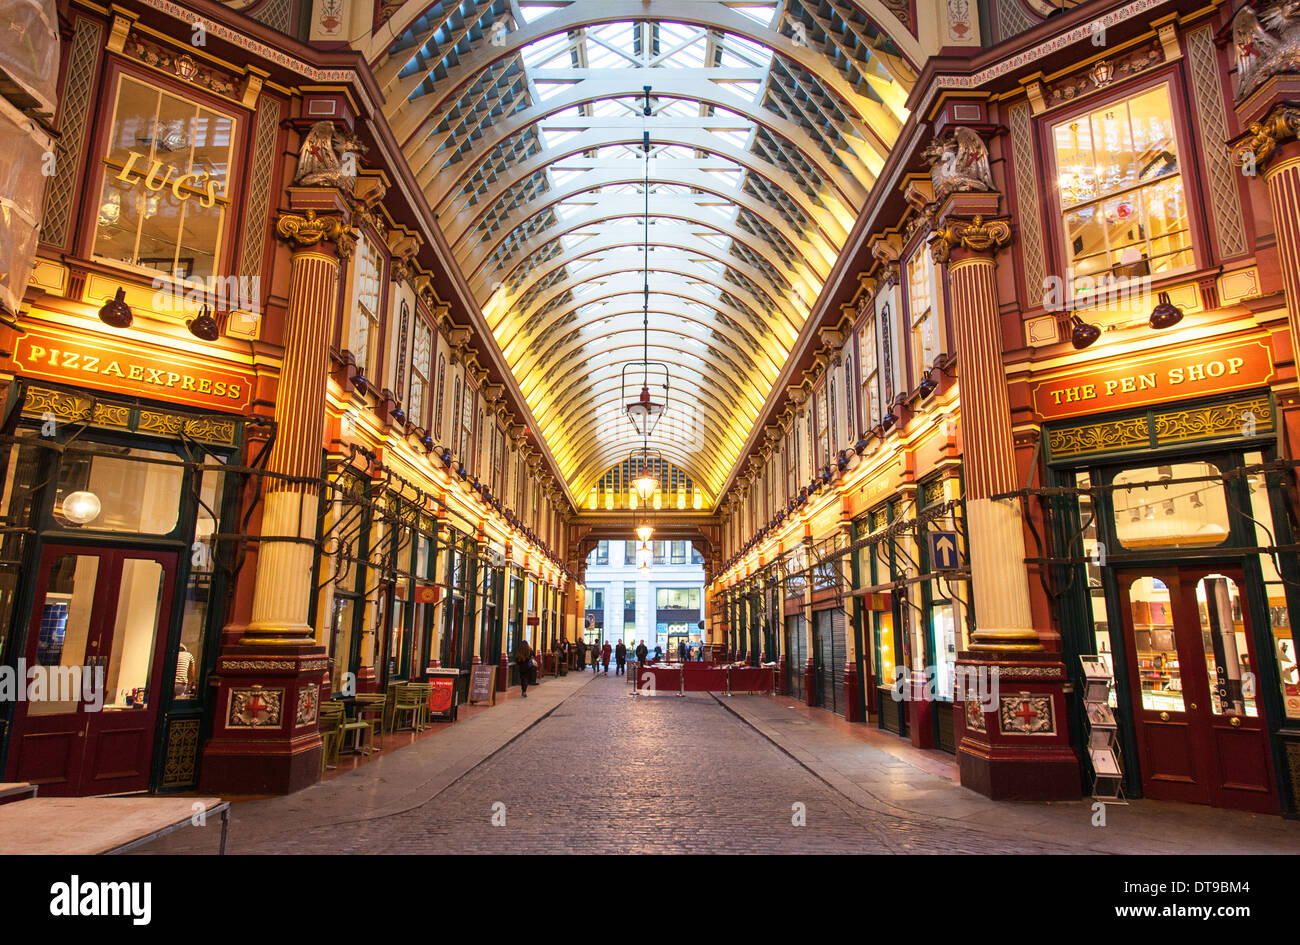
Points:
(1224, 202)
(180, 767)
(308, 705)
(975, 716)
(1028, 202)
(82, 68)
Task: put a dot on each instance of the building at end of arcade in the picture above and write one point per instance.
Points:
(257, 449)
(1044, 428)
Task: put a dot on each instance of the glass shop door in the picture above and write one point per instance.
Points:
(89, 726)
(1200, 734)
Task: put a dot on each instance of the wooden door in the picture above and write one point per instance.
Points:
(94, 641)
(1192, 666)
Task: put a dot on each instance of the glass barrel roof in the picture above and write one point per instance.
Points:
(524, 122)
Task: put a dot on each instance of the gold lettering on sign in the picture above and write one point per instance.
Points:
(201, 185)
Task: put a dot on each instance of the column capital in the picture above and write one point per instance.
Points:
(307, 229)
(977, 236)
(1264, 138)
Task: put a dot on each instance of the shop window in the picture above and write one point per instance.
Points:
(1226, 651)
(1279, 613)
(421, 358)
(1180, 515)
(921, 295)
(1121, 187)
(163, 202)
(199, 599)
(134, 494)
(66, 622)
(364, 337)
(1156, 645)
(22, 465)
(1098, 615)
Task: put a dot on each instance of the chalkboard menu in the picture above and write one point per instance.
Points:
(482, 683)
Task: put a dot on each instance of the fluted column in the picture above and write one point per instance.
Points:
(995, 538)
(1273, 145)
(282, 593)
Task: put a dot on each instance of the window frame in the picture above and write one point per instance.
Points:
(1189, 170)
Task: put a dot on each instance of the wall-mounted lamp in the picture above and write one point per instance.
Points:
(116, 312)
(202, 326)
(1166, 314)
(1082, 333)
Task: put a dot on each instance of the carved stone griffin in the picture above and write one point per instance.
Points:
(328, 157)
(959, 162)
(1267, 43)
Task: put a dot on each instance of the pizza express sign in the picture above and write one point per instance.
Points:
(122, 369)
(1137, 382)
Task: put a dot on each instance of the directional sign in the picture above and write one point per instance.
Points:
(943, 551)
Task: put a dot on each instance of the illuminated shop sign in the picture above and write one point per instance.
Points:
(114, 367)
(1153, 379)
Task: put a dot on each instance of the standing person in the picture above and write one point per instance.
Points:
(620, 658)
(681, 651)
(606, 652)
(641, 653)
(524, 662)
(659, 653)
(581, 662)
(594, 652)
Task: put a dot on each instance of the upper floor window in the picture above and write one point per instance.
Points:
(364, 337)
(921, 310)
(437, 406)
(1121, 189)
(166, 183)
(455, 415)
(421, 364)
(850, 432)
(870, 362)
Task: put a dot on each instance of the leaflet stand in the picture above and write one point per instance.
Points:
(1103, 733)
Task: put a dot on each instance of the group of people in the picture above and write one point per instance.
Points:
(598, 657)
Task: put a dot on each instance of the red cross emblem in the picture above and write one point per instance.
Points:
(1025, 713)
(255, 706)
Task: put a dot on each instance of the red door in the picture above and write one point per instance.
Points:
(94, 662)
(1192, 663)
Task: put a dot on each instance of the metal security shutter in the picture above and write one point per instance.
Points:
(824, 659)
(839, 656)
(796, 656)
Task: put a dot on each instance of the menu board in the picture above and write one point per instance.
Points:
(482, 683)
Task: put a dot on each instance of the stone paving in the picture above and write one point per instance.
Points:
(581, 766)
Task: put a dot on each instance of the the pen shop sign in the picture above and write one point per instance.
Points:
(120, 368)
(1195, 371)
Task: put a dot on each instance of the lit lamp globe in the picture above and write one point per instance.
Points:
(645, 486)
(81, 508)
(644, 532)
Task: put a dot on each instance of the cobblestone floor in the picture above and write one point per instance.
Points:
(606, 773)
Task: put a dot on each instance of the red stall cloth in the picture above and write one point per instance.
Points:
(752, 679)
(703, 677)
(660, 678)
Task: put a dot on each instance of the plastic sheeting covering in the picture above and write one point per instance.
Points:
(24, 167)
(29, 53)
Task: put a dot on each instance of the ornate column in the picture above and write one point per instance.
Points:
(265, 737)
(1009, 745)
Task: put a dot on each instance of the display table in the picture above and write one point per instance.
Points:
(90, 825)
(751, 679)
(659, 677)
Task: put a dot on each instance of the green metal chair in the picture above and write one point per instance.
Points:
(331, 733)
(408, 700)
(373, 707)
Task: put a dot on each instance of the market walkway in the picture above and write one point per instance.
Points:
(581, 766)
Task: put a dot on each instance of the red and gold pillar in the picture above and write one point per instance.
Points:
(265, 738)
(1013, 737)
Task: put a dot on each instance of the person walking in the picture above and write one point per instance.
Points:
(580, 662)
(620, 658)
(594, 653)
(606, 652)
(524, 662)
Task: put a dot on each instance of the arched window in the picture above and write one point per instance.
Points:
(437, 416)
